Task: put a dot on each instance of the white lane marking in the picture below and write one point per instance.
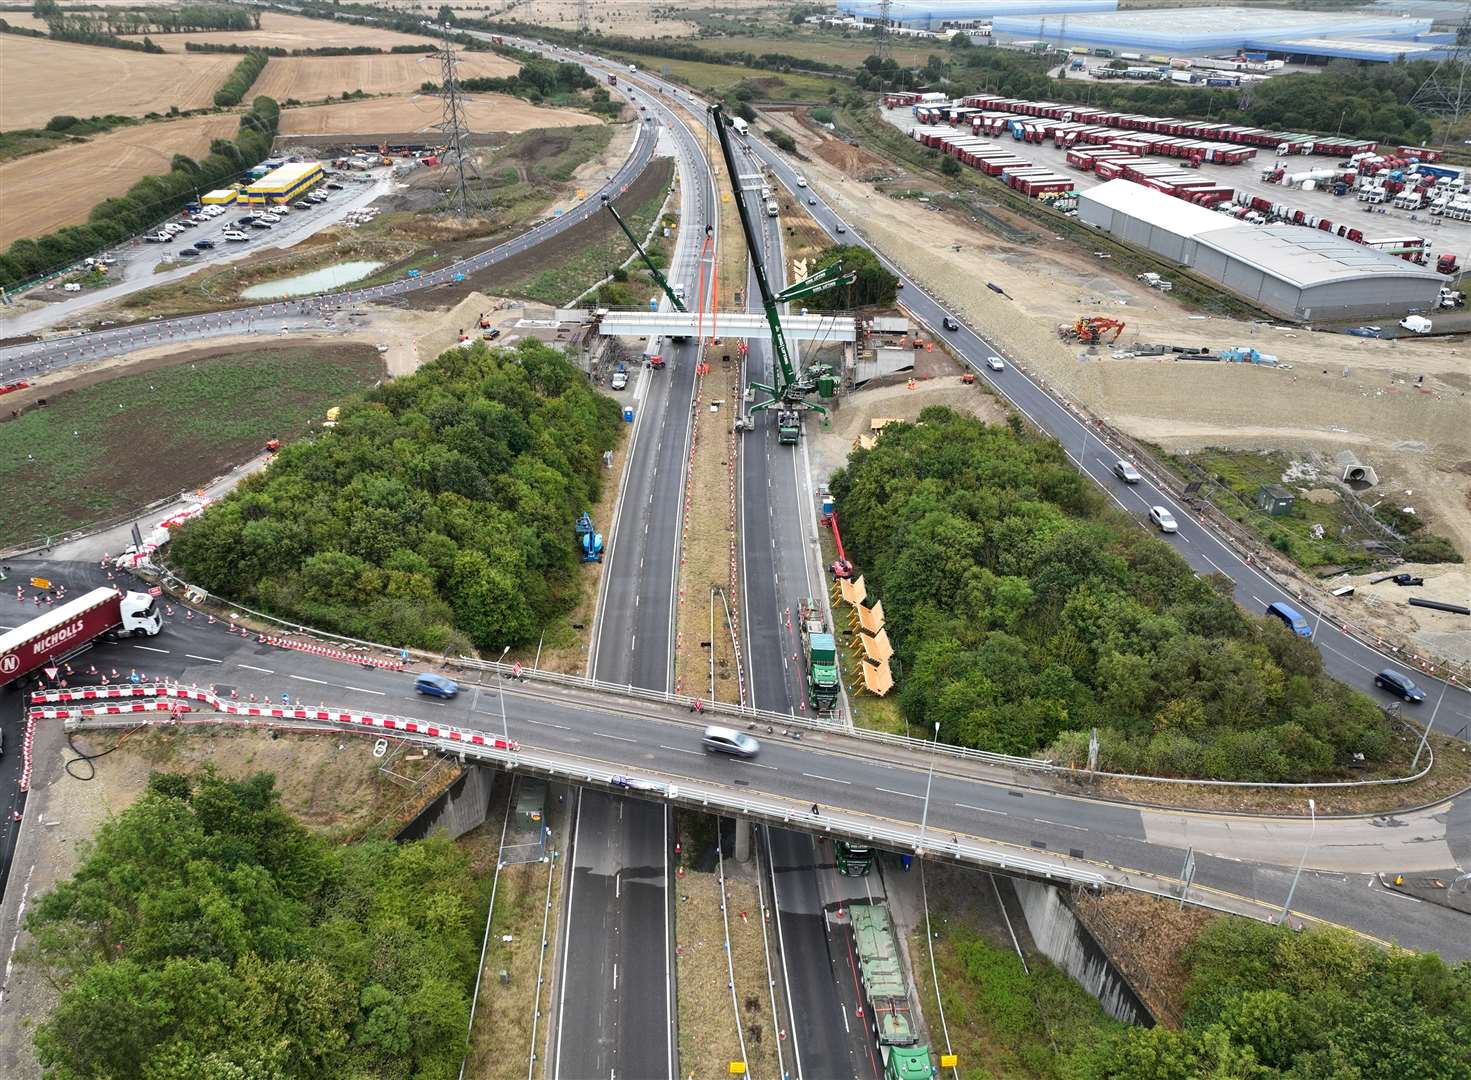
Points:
(252, 667)
(758, 765)
(681, 750)
(304, 678)
(364, 690)
(543, 723)
(829, 779)
(1259, 600)
(150, 648)
(982, 809)
(620, 738)
(1402, 896)
(206, 659)
(891, 791)
(1059, 824)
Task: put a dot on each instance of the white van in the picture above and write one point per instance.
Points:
(1416, 324)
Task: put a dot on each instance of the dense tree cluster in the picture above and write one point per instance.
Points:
(240, 80)
(1265, 1003)
(1026, 612)
(874, 285)
(148, 201)
(207, 934)
(438, 512)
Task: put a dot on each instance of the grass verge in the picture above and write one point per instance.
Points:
(721, 79)
(101, 449)
(1005, 1023)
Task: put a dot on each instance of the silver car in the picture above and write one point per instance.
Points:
(1126, 472)
(1163, 519)
(724, 740)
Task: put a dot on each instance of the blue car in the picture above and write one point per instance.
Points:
(1399, 685)
(436, 686)
(1291, 619)
(1365, 331)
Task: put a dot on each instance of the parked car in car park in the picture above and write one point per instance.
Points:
(1399, 685)
(235, 234)
(1163, 519)
(204, 244)
(159, 238)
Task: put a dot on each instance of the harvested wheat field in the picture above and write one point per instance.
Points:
(313, 78)
(43, 192)
(24, 19)
(385, 116)
(49, 78)
(291, 32)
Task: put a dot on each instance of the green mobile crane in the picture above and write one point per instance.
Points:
(790, 391)
(659, 277)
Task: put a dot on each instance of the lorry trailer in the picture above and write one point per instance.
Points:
(64, 631)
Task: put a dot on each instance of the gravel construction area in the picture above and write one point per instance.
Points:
(44, 192)
(1401, 406)
(48, 78)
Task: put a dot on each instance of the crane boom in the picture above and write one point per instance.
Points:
(663, 282)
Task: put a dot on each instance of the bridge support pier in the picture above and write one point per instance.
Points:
(743, 839)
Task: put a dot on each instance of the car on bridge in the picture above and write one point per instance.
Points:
(437, 686)
(1399, 685)
(724, 740)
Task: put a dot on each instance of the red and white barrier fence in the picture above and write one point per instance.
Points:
(334, 654)
(25, 769)
(167, 698)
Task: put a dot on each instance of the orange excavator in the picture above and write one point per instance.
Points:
(1089, 329)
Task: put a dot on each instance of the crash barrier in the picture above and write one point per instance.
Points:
(176, 699)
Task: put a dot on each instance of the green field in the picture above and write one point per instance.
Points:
(825, 48)
(720, 79)
(102, 449)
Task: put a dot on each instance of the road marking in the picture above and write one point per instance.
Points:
(758, 765)
(1402, 896)
(364, 690)
(543, 723)
(829, 779)
(680, 749)
(891, 791)
(1259, 600)
(206, 659)
(1059, 824)
(620, 738)
(304, 678)
(982, 809)
(150, 648)
(252, 667)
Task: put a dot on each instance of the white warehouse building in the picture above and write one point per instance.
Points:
(1293, 272)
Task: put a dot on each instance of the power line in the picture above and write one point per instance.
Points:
(883, 49)
(1446, 93)
(454, 129)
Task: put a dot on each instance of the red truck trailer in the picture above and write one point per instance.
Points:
(66, 630)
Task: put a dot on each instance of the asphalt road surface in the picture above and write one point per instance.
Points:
(617, 921)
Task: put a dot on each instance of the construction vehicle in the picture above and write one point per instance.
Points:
(669, 290)
(886, 993)
(841, 568)
(1089, 329)
(790, 390)
(854, 860)
(821, 651)
(589, 540)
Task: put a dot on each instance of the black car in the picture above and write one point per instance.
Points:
(951, 324)
(1399, 685)
(245, 220)
(334, 187)
(204, 244)
(187, 253)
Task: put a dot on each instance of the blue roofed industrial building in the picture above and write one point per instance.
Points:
(911, 12)
(1181, 32)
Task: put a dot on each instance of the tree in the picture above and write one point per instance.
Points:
(874, 285)
(950, 167)
(447, 16)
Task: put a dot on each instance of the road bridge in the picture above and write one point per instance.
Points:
(825, 329)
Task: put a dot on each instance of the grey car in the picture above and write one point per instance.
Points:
(1126, 472)
(724, 740)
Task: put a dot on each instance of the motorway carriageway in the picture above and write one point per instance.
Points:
(1250, 857)
(1345, 657)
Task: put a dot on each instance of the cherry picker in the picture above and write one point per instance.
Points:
(791, 390)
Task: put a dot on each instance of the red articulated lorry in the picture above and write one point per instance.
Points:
(67, 629)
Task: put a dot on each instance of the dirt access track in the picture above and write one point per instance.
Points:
(483, 113)
(41, 193)
(1339, 393)
(50, 78)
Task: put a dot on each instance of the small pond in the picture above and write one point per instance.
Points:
(329, 277)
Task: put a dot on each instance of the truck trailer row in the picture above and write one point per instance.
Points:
(994, 159)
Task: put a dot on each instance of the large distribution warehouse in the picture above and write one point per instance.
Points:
(284, 184)
(1293, 272)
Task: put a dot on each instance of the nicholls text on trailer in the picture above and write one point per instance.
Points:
(66, 630)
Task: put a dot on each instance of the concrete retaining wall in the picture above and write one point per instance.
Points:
(462, 806)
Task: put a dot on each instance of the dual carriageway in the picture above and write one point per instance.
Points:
(617, 920)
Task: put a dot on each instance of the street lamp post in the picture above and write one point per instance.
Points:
(501, 687)
(1287, 907)
(925, 817)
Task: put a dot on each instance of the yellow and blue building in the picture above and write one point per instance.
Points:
(284, 184)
